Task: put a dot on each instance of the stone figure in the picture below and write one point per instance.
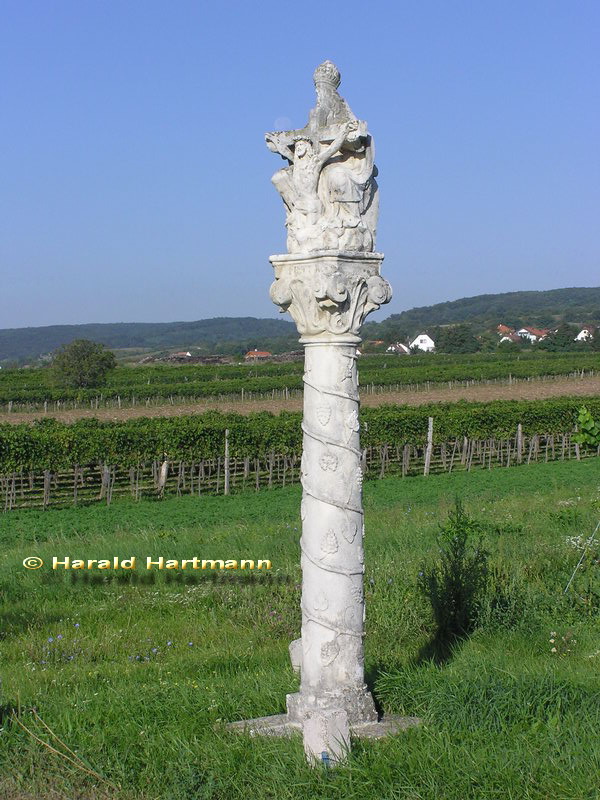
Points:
(328, 188)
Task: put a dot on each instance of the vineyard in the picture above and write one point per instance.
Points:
(51, 463)
(34, 389)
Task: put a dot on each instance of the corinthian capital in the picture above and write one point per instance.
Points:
(328, 295)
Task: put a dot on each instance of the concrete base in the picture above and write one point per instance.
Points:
(280, 725)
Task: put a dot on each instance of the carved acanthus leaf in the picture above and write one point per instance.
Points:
(327, 295)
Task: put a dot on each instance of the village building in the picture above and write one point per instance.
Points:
(504, 330)
(533, 334)
(398, 348)
(423, 342)
(511, 337)
(257, 355)
(586, 334)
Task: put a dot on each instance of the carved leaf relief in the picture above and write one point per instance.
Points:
(329, 543)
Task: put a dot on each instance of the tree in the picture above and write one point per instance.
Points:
(82, 364)
(456, 339)
(488, 341)
(510, 347)
(562, 339)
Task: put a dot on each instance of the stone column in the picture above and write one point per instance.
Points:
(329, 281)
(328, 296)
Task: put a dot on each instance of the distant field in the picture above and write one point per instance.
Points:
(137, 678)
(34, 390)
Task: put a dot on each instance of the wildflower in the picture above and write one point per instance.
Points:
(60, 636)
(553, 650)
(190, 644)
(169, 644)
(76, 625)
(551, 641)
(155, 649)
(50, 639)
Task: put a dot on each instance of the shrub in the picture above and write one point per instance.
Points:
(455, 584)
(588, 430)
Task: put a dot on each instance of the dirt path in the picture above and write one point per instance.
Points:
(533, 390)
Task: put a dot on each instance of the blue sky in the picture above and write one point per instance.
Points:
(136, 184)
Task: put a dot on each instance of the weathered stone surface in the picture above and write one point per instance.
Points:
(326, 736)
(328, 188)
(329, 293)
(295, 650)
(282, 725)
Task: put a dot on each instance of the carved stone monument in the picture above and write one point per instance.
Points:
(329, 281)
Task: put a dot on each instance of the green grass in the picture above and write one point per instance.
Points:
(504, 718)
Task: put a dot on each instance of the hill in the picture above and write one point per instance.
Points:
(223, 334)
(485, 311)
(234, 334)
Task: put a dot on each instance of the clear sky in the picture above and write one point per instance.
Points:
(136, 184)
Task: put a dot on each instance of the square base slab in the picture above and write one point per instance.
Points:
(280, 725)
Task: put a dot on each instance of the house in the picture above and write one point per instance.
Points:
(183, 354)
(511, 337)
(423, 342)
(398, 348)
(257, 355)
(504, 330)
(533, 334)
(586, 334)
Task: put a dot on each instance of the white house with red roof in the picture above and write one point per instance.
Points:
(533, 334)
(257, 355)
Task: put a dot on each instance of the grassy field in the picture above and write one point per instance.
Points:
(137, 678)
